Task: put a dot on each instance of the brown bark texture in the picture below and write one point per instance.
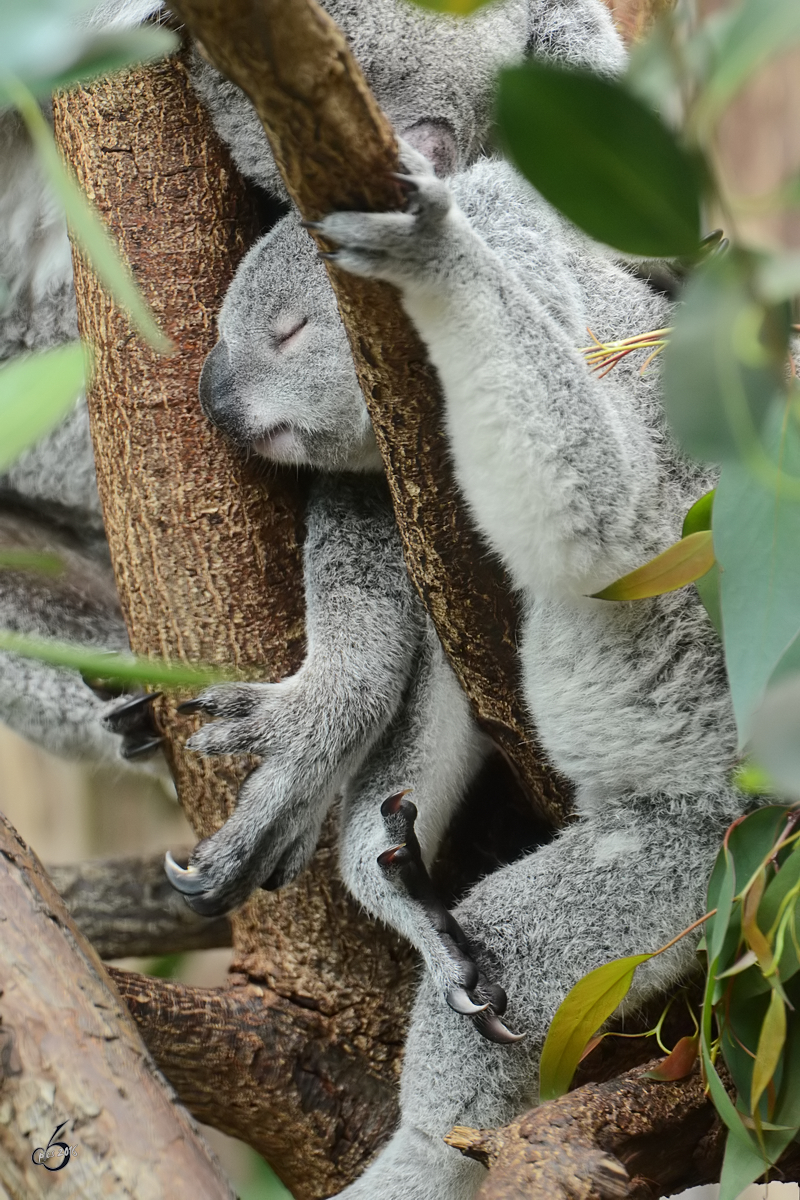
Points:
(126, 907)
(234, 1037)
(336, 150)
(70, 1052)
(207, 562)
(630, 1138)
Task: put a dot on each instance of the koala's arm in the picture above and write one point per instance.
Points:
(556, 465)
(364, 623)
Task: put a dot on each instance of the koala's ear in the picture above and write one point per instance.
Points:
(437, 141)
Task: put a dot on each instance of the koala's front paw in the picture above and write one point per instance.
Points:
(131, 717)
(400, 247)
(274, 830)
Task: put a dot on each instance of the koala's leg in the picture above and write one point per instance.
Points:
(314, 729)
(624, 882)
(433, 748)
(556, 465)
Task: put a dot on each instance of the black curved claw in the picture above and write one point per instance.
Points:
(133, 715)
(189, 707)
(460, 1002)
(492, 1028)
(134, 748)
(395, 857)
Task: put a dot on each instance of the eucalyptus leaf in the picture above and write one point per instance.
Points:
(31, 560)
(725, 363)
(459, 8)
(776, 735)
(111, 52)
(757, 543)
(758, 30)
(41, 37)
(586, 1007)
(681, 564)
(125, 668)
(601, 157)
(742, 1165)
(36, 392)
(85, 226)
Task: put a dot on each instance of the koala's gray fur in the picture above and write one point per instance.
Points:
(574, 481)
(432, 75)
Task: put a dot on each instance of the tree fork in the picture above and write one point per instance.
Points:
(336, 150)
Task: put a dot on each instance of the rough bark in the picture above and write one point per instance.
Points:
(222, 1049)
(126, 907)
(69, 1051)
(207, 563)
(631, 1137)
(335, 149)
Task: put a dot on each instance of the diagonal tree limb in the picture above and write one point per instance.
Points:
(126, 907)
(335, 149)
(69, 1052)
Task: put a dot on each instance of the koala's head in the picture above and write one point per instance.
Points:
(280, 380)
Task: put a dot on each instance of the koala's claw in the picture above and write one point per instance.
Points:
(135, 748)
(404, 860)
(132, 720)
(492, 1028)
(189, 881)
(460, 1002)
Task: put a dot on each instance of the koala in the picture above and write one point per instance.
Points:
(573, 481)
(48, 498)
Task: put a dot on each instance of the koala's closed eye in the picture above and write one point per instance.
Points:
(285, 336)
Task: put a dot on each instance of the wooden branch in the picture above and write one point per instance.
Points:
(69, 1051)
(335, 149)
(125, 906)
(630, 1137)
(206, 556)
(265, 1068)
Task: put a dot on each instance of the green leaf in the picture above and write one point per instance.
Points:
(770, 1048)
(111, 52)
(721, 890)
(84, 223)
(126, 668)
(725, 363)
(699, 515)
(742, 1165)
(759, 30)
(757, 543)
(591, 1002)
(776, 735)
(459, 8)
(602, 157)
(681, 564)
(36, 392)
(31, 560)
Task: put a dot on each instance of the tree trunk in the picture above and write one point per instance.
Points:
(335, 149)
(69, 1052)
(207, 562)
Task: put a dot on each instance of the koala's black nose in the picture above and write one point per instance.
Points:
(218, 393)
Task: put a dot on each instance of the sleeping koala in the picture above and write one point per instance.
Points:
(574, 481)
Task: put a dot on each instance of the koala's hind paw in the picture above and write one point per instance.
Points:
(470, 994)
(132, 718)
